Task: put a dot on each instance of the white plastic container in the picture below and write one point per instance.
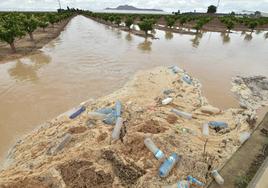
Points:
(167, 101)
(244, 136)
(206, 129)
(217, 177)
(96, 116)
(182, 114)
(117, 128)
(153, 148)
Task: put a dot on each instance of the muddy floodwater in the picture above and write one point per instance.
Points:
(89, 60)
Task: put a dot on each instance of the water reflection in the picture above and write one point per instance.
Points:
(225, 38)
(168, 35)
(243, 33)
(258, 32)
(196, 40)
(266, 35)
(129, 37)
(145, 46)
(26, 69)
(248, 37)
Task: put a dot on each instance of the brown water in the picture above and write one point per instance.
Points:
(89, 60)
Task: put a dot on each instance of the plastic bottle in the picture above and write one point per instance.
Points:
(76, 112)
(183, 184)
(167, 101)
(175, 69)
(206, 129)
(194, 181)
(218, 124)
(118, 108)
(187, 79)
(168, 164)
(96, 116)
(153, 148)
(217, 177)
(117, 129)
(105, 110)
(182, 114)
(244, 136)
(111, 118)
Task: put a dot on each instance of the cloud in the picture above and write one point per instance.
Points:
(167, 5)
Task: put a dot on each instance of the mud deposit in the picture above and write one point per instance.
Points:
(89, 157)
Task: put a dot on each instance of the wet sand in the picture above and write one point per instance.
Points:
(127, 162)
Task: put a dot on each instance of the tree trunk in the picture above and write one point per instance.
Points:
(44, 29)
(31, 36)
(12, 46)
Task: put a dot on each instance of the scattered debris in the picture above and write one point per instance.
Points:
(65, 140)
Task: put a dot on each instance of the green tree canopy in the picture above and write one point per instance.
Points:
(129, 21)
(212, 9)
(146, 25)
(10, 28)
(30, 24)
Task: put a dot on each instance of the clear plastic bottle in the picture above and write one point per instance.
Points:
(244, 136)
(182, 114)
(218, 124)
(153, 148)
(194, 181)
(168, 164)
(179, 184)
(186, 78)
(96, 116)
(117, 129)
(167, 101)
(118, 108)
(217, 177)
(206, 129)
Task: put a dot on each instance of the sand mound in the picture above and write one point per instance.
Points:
(89, 157)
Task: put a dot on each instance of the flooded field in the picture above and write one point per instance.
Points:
(89, 60)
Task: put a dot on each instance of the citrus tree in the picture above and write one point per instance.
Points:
(11, 27)
(146, 25)
(30, 24)
(170, 21)
(129, 21)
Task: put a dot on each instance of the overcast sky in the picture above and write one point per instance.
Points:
(167, 5)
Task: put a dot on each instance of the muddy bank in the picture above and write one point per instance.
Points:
(25, 46)
(64, 151)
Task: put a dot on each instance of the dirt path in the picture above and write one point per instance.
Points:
(25, 46)
(243, 165)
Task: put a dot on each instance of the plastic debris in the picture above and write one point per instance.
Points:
(118, 108)
(210, 110)
(217, 177)
(175, 69)
(97, 116)
(168, 91)
(182, 114)
(194, 181)
(167, 101)
(153, 148)
(183, 184)
(186, 78)
(205, 130)
(66, 139)
(105, 110)
(244, 136)
(168, 164)
(218, 124)
(110, 119)
(77, 111)
(117, 129)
